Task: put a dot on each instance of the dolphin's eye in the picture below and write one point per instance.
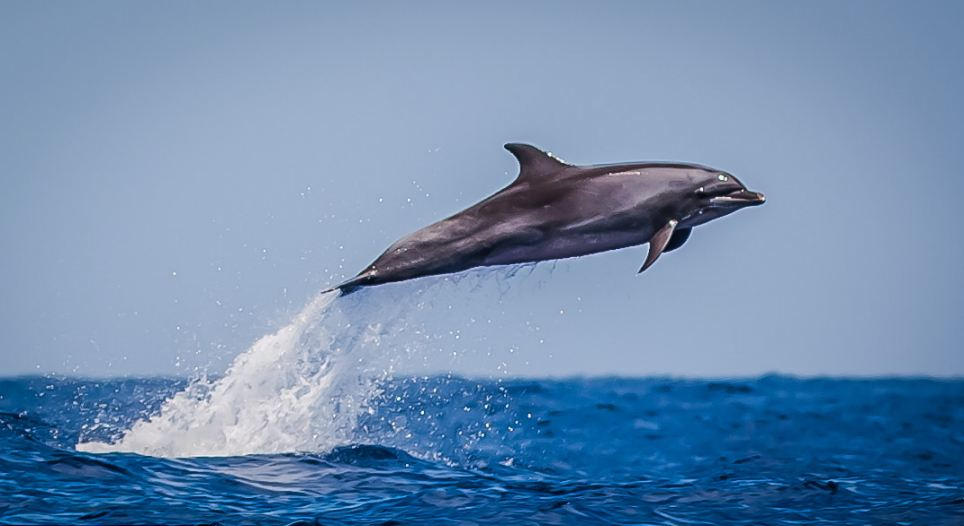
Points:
(722, 177)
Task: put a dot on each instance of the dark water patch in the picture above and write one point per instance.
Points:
(828, 485)
(363, 454)
(729, 387)
(84, 466)
(93, 515)
(744, 460)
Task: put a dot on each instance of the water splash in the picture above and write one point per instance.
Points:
(299, 389)
(305, 387)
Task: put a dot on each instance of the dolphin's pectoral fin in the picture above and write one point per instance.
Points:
(533, 162)
(679, 237)
(658, 243)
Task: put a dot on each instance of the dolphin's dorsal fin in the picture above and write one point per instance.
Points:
(533, 162)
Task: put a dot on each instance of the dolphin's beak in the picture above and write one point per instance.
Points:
(739, 198)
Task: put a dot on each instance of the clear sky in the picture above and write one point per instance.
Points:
(178, 178)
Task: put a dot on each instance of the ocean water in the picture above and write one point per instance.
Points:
(771, 450)
(314, 425)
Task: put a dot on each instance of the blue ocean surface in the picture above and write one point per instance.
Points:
(452, 450)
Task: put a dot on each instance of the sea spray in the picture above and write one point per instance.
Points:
(301, 388)
(305, 387)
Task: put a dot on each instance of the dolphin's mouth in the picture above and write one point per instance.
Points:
(738, 198)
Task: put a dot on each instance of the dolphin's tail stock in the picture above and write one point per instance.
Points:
(351, 285)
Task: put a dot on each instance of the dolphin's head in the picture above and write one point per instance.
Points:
(714, 194)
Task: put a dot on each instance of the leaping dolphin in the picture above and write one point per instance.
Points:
(557, 210)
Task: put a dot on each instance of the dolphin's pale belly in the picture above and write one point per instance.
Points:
(440, 248)
(567, 245)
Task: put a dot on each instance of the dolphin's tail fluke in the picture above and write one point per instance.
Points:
(351, 285)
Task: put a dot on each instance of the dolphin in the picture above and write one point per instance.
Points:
(555, 210)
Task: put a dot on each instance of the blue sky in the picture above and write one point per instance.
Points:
(179, 178)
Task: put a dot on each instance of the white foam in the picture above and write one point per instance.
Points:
(304, 387)
(299, 389)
